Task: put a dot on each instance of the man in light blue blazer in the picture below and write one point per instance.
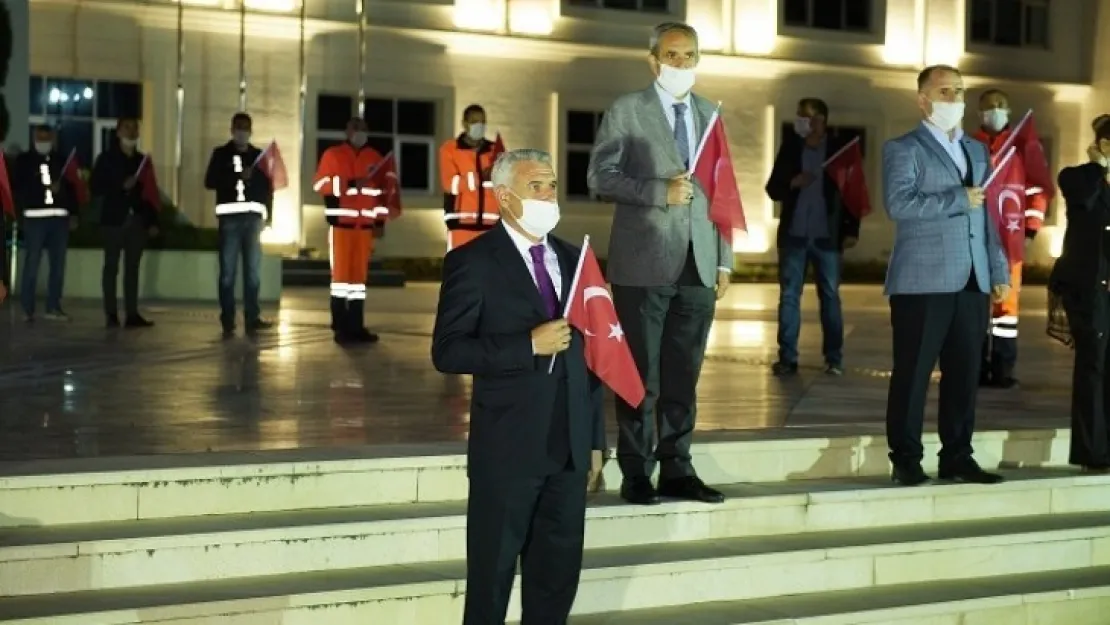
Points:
(946, 265)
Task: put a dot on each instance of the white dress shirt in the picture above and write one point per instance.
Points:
(950, 145)
(550, 260)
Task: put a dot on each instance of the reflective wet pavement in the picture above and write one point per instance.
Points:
(78, 390)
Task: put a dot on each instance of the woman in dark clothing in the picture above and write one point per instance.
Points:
(1080, 279)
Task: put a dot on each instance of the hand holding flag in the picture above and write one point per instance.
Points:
(712, 166)
(71, 172)
(384, 178)
(845, 167)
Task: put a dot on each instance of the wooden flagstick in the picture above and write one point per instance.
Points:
(573, 290)
(1014, 133)
(1001, 164)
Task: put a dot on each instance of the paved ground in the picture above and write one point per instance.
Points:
(78, 390)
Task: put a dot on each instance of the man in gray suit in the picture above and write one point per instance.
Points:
(947, 258)
(667, 262)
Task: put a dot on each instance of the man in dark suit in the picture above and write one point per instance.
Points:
(536, 439)
(814, 229)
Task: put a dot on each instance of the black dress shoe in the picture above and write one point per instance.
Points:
(784, 369)
(968, 471)
(691, 488)
(137, 321)
(112, 321)
(639, 491)
(908, 474)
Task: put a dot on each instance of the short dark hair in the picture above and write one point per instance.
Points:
(1100, 122)
(473, 108)
(817, 104)
(241, 117)
(993, 91)
(44, 128)
(1102, 131)
(927, 73)
(126, 119)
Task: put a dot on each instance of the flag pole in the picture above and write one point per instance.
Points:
(1001, 165)
(302, 99)
(242, 56)
(179, 138)
(1017, 129)
(842, 150)
(573, 289)
(704, 138)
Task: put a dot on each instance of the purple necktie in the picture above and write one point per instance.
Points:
(543, 281)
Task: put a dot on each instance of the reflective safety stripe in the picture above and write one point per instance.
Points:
(364, 191)
(486, 217)
(1033, 190)
(1005, 320)
(1005, 327)
(487, 184)
(325, 181)
(339, 289)
(470, 181)
(347, 291)
(1035, 214)
(238, 208)
(1004, 333)
(45, 212)
(341, 212)
(455, 184)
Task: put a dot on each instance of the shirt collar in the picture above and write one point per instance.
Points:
(942, 136)
(669, 100)
(522, 244)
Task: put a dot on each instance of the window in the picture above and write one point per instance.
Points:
(405, 127)
(644, 6)
(581, 131)
(84, 112)
(838, 133)
(1012, 23)
(845, 15)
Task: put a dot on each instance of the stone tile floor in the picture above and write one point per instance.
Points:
(77, 390)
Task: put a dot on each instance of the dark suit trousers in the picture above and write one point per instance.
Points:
(667, 329)
(948, 326)
(129, 241)
(1089, 320)
(539, 519)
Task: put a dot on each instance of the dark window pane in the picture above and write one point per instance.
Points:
(69, 98)
(322, 145)
(654, 6)
(416, 117)
(378, 114)
(1007, 22)
(857, 15)
(333, 112)
(119, 99)
(625, 5)
(382, 143)
(981, 21)
(1036, 26)
(415, 165)
(581, 127)
(828, 14)
(38, 95)
(107, 140)
(795, 12)
(74, 133)
(578, 161)
(584, 3)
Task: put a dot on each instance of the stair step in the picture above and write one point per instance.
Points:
(1075, 597)
(613, 579)
(55, 493)
(37, 560)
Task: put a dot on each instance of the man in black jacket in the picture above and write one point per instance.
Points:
(126, 220)
(48, 204)
(814, 229)
(244, 198)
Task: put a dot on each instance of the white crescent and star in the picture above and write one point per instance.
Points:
(590, 292)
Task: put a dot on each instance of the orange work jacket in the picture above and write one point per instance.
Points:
(343, 178)
(468, 200)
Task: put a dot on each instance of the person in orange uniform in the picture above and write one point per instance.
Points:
(465, 162)
(1000, 346)
(344, 178)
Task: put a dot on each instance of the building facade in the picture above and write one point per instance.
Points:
(544, 70)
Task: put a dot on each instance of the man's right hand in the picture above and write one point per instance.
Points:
(802, 180)
(975, 197)
(680, 191)
(551, 338)
(130, 183)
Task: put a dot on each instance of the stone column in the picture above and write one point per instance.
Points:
(15, 71)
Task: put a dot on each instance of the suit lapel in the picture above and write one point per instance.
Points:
(516, 271)
(655, 122)
(978, 168)
(567, 265)
(927, 138)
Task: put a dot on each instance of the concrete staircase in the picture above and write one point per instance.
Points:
(812, 534)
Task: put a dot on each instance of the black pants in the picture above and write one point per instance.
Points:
(667, 329)
(999, 356)
(540, 519)
(944, 326)
(128, 240)
(1089, 320)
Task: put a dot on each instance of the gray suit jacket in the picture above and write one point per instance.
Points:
(938, 238)
(634, 157)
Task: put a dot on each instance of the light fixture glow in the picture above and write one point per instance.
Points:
(756, 27)
(477, 14)
(754, 241)
(285, 230)
(87, 93)
(271, 6)
(531, 20)
(709, 34)
(1056, 240)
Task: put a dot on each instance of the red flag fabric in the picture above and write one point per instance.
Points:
(7, 203)
(148, 180)
(385, 178)
(274, 167)
(713, 170)
(71, 171)
(591, 312)
(498, 147)
(1031, 151)
(1005, 199)
(845, 168)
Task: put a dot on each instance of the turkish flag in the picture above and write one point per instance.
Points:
(384, 177)
(846, 170)
(273, 166)
(148, 183)
(1030, 150)
(7, 204)
(71, 172)
(590, 310)
(713, 170)
(498, 146)
(1005, 199)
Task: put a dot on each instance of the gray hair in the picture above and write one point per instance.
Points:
(672, 27)
(503, 168)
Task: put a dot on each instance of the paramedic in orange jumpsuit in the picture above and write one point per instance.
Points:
(1000, 345)
(469, 206)
(343, 178)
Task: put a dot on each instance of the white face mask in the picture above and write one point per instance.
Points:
(538, 217)
(802, 127)
(476, 131)
(675, 81)
(43, 147)
(128, 143)
(241, 137)
(358, 139)
(995, 119)
(947, 115)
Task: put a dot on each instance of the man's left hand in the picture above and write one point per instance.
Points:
(723, 280)
(595, 481)
(850, 242)
(999, 293)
